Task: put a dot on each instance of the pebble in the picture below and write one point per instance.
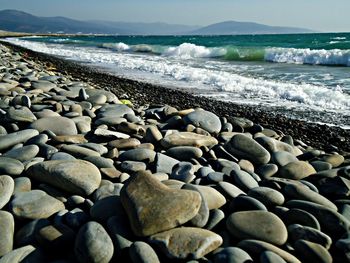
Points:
(204, 119)
(267, 196)
(312, 252)
(232, 254)
(25, 153)
(296, 170)
(188, 139)
(7, 229)
(58, 125)
(184, 153)
(10, 166)
(141, 252)
(11, 139)
(7, 186)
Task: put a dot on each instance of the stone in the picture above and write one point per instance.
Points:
(58, 125)
(93, 244)
(164, 163)
(23, 254)
(152, 207)
(7, 229)
(11, 139)
(74, 139)
(244, 180)
(212, 196)
(270, 257)
(59, 156)
(76, 176)
(312, 252)
(117, 110)
(215, 217)
(187, 242)
(132, 167)
(100, 162)
(246, 203)
(22, 184)
(10, 166)
(35, 204)
(188, 139)
(120, 232)
(296, 170)
(43, 85)
(244, 147)
(111, 134)
(25, 153)
(106, 208)
(184, 153)
(268, 196)
(321, 166)
(79, 151)
(22, 114)
(300, 192)
(204, 119)
(230, 190)
(260, 225)
(124, 144)
(256, 247)
(232, 254)
(138, 155)
(334, 159)
(153, 135)
(299, 216)
(296, 232)
(141, 252)
(183, 171)
(7, 186)
(283, 158)
(273, 145)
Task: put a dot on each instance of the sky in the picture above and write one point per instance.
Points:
(320, 15)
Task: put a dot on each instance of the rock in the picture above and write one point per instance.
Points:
(93, 244)
(183, 171)
(7, 228)
(334, 159)
(114, 110)
(35, 204)
(58, 125)
(302, 217)
(9, 140)
(10, 166)
(296, 170)
(184, 153)
(153, 135)
(6, 189)
(283, 158)
(76, 176)
(267, 196)
(297, 232)
(124, 144)
(25, 153)
(43, 85)
(138, 155)
(111, 134)
(246, 203)
(152, 207)
(312, 252)
(187, 242)
(244, 147)
(204, 119)
(164, 163)
(141, 252)
(232, 254)
(229, 190)
(260, 225)
(22, 184)
(22, 114)
(301, 192)
(74, 139)
(270, 257)
(23, 254)
(256, 247)
(187, 139)
(79, 151)
(120, 232)
(244, 180)
(273, 145)
(215, 217)
(213, 197)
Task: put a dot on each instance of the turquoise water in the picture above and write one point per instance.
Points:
(305, 76)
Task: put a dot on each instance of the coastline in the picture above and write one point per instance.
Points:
(317, 135)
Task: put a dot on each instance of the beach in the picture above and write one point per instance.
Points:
(99, 168)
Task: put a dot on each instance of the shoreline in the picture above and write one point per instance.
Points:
(317, 135)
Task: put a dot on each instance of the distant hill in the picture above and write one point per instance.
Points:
(239, 28)
(18, 21)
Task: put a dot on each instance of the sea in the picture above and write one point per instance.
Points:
(302, 76)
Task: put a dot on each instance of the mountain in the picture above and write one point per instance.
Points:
(240, 28)
(18, 21)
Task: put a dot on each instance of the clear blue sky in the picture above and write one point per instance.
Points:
(323, 15)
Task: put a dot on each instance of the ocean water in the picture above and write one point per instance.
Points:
(303, 76)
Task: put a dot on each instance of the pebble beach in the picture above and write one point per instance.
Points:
(96, 168)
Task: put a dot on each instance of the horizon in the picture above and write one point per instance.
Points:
(155, 11)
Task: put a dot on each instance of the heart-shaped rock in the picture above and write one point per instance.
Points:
(153, 207)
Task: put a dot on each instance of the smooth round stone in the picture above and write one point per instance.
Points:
(141, 252)
(335, 159)
(302, 217)
(184, 242)
(23, 254)
(216, 177)
(43, 85)
(58, 125)
(268, 196)
(244, 147)
(95, 147)
(283, 158)
(10, 166)
(110, 121)
(100, 162)
(93, 244)
(204, 119)
(22, 114)
(267, 170)
(76, 218)
(321, 166)
(79, 151)
(297, 232)
(246, 165)
(164, 163)
(229, 190)
(120, 232)
(183, 171)
(7, 186)
(232, 255)
(7, 228)
(246, 203)
(244, 180)
(332, 223)
(304, 193)
(241, 122)
(76, 176)
(153, 135)
(107, 190)
(62, 156)
(117, 110)
(201, 219)
(188, 139)
(153, 207)
(312, 252)
(215, 217)
(296, 170)
(260, 225)
(184, 153)
(46, 113)
(22, 184)
(124, 144)
(34, 205)
(27, 234)
(23, 154)
(111, 98)
(256, 247)
(138, 155)
(132, 167)
(212, 196)
(270, 257)
(97, 99)
(106, 208)
(11, 139)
